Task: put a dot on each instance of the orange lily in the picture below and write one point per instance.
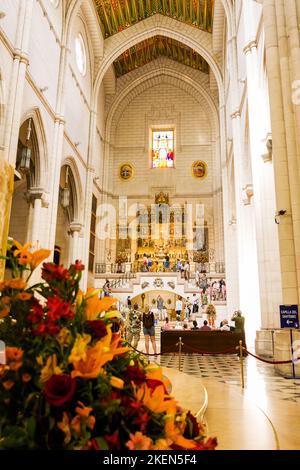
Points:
(139, 441)
(94, 305)
(98, 355)
(64, 426)
(21, 249)
(38, 256)
(155, 400)
(175, 434)
(16, 283)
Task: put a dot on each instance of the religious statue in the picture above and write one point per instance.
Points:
(162, 198)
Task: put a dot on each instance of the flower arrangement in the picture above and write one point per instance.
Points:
(69, 380)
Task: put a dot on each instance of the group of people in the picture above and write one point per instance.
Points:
(210, 290)
(237, 318)
(152, 265)
(135, 320)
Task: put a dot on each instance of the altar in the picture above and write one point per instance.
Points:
(213, 341)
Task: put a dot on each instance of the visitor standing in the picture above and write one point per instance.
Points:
(160, 307)
(133, 326)
(178, 308)
(149, 329)
(239, 321)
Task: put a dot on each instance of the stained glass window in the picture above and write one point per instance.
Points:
(163, 149)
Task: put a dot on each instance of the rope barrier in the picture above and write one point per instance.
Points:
(148, 354)
(226, 351)
(270, 362)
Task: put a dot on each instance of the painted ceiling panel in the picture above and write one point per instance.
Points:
(117, 15)
(158, 46)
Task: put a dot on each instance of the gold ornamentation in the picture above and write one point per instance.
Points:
(126, 171)
(199, 169)
(6, 191)
(162, 198)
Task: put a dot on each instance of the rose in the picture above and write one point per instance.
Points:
(192, 429)
(60, 389)
(97, 328)
(134, 374)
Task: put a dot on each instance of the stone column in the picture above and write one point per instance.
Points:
(263, 180)
(36, 228)
(17, 82)
(75, 229)
(284, 156)
(248, 281)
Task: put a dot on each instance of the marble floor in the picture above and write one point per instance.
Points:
(268, 400)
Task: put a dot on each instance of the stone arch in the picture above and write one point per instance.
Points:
(179, 74)
(93, 28)
(41, 163)
(197, 40)
(76, 187)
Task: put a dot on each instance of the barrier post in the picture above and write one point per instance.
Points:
(179, 344)
(242, 363)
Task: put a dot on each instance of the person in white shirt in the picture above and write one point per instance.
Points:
(178, 308)
(225, 326)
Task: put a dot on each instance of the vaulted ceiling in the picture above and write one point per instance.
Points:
(155, 47)
(117, 15)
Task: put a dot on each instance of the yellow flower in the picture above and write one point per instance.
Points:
(38, 256)
(79, 349)
(23, 253)
(162, 444)
(16, 283)
(39, 360)
(21, 250)
(139, 442)
(83, 415)
(64, 336)
(98, 355)
(50, 369)
(64, 426)
(116, 382)
(94, 306)
(155, 400)
(175, 434)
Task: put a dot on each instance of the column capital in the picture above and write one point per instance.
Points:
(37, 193)
(247, 194)
(75, 227)
(235, 114)
(249, 46)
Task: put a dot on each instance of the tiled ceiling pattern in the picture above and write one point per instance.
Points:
(155, 47)
(117, 15)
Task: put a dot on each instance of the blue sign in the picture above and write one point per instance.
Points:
(289, 316)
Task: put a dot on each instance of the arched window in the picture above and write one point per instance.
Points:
(80, 54)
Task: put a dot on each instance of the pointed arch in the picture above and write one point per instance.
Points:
(41, 178)
(76, 188)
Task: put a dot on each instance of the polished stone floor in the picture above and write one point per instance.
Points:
(260, 379)
(265, 414)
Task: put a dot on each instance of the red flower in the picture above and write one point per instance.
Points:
(77, 266)
(192, 427)
(153, 383)
(52, 272)
(46, 328)
(94, 445)
(113, 441)
(36, 313)
(97, 328)
(60, 389)
(208, 444)
(58, 309)
(142, 421)
(134, 374)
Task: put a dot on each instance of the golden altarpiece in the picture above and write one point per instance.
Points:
(161, 238)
